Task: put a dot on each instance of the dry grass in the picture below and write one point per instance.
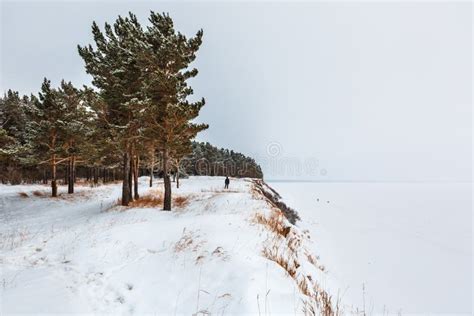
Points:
(148, 200)
(274, 254)
(274, 222)
(14, 238)
(285, 249)
(318, 301)
(189, 241)
(219, 252)
(23, 194)
(183, 243)
(181, 201)
(38, 193)
(155, 199)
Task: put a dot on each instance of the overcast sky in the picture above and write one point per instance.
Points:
(327, 91)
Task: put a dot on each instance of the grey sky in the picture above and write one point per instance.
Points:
(370, 91)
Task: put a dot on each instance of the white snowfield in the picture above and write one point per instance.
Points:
(82, 253)
(391, 247)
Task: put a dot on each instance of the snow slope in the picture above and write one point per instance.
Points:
(408, 244)
(84, 254)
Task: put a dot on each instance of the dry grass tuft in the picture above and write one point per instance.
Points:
(38, 193)
(155, 199)
(318, 301)
(285, 249)
(283, 260)
(181, 201)
(275, 222)
(148, 200)
(189, 241)
(14, 238)
(23, 194)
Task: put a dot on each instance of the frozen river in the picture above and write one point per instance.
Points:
(393, 247)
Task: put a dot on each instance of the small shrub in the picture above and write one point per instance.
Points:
(23, 194)
(38, 193)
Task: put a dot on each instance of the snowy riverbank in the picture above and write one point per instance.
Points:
(216, 252)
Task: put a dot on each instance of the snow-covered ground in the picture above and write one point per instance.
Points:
(84, 254)
(408, 244)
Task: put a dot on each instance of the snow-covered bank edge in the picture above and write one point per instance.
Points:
(287, 246)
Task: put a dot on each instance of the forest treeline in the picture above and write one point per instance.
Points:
(206, 159)
(135, 120)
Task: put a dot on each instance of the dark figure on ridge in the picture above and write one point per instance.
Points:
(227, 181)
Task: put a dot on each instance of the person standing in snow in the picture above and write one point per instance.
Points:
(227, 181)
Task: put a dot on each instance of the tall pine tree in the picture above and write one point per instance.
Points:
(165, 59)
(113, 66)
(47, 131)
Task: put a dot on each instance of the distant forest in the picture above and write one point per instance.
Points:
(210, 160)
(19, 163)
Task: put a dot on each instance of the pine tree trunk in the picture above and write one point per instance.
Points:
(66, 175)
(135, 177)
(71, 167)
(96, 176)
(45, 176)
(126, 175)
(177, 174)
(130, 176)
(54, 186)
(167, 182)
(152, 166)
(74, 173)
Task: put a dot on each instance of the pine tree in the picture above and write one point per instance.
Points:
(165, 60)
(12, 129)
(47, 130)
(180, 151)
(99, 149)
(76, 128)
(115, 72)
(12, 115)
